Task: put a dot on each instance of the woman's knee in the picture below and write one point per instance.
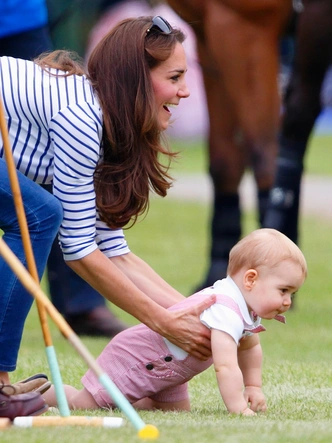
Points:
(46, 215)
(55, 211)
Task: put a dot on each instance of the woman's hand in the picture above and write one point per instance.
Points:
(133, 286)
(184, 329)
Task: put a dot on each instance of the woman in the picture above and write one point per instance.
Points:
(97, 136)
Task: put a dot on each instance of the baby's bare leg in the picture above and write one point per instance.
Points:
(149, 404)
(77, 399)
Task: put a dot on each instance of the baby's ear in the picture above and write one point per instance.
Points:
(250, 277)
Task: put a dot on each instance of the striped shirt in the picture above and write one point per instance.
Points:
(55, 131)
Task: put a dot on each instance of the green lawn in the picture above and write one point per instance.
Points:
(318, 159)
(173, 238)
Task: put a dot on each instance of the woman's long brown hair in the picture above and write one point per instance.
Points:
(119, 71)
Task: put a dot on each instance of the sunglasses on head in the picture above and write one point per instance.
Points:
(160, 24)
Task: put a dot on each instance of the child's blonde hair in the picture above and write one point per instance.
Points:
(264, 247)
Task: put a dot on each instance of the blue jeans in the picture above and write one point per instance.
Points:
(44, 215)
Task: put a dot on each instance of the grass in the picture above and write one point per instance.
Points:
(193, 156)
(297, 356)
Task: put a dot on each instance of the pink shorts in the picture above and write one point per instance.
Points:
(139, 363)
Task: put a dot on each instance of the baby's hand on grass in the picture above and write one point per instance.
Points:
(247, 412)
(255, 397)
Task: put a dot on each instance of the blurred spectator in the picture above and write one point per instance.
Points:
(24, 31)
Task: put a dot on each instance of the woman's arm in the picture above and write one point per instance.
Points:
(133, 286)
(147, 280)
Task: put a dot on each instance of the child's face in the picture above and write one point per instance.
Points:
(270, 291)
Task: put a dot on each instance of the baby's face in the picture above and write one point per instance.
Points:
(273, 289)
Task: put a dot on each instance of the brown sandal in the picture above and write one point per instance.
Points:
(21, 405)
(35, 383)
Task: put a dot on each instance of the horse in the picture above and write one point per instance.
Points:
(302, 106)
(238, 50)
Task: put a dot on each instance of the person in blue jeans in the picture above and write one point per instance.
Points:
(25, 33)
(44, 215)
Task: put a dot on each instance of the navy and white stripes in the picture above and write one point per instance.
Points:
(55, 130)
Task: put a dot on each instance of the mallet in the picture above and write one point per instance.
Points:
(50, 351)
(39, 421)
(145, 431)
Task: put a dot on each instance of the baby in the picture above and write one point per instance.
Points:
(265, 270)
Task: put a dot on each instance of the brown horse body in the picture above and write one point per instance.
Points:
(238, 49)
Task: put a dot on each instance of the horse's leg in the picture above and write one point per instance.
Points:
(226, 162)
(259, 116)
(247, 107)
(302, 107)
(241, 106)
(226, 167)
(249, 65)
